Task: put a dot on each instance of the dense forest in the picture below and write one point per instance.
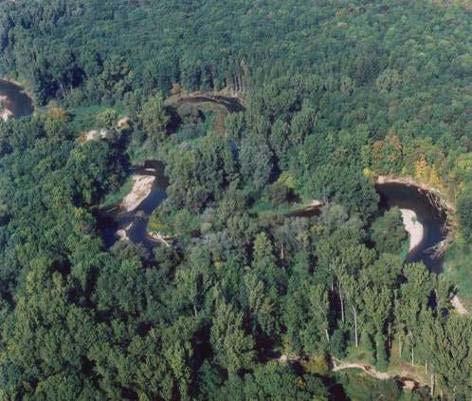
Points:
(244, 301)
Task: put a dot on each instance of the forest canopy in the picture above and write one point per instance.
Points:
(243, 297)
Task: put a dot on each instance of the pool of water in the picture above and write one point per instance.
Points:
(18, 101)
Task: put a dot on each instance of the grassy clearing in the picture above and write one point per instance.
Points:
(139, 153)
(402, 368)
(265, 208)
(359, 354)
(116, 197)
(85, 118)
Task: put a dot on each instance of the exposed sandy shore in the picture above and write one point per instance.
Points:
(94, 135)
(413, 227)
(142, 187)
(5, 113)
(161, 238)
(458, 306)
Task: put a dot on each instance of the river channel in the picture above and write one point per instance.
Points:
(134, 223)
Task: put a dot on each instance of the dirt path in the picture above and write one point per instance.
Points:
(405, 376)
(370, 370)
(406, 381)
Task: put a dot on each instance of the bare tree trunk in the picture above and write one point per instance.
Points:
(327, 334)
(355, 326)
(432, 384)
(342, 304)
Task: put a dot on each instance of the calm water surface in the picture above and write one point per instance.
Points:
(18, 102)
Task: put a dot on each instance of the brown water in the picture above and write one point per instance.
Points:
(18, 101)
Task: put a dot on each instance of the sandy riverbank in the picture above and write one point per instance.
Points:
(413, 227)
(5, 112)
(458, 306)
(142, 187)
(94, 135)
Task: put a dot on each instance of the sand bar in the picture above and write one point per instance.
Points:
(142, 187)
(413, 227)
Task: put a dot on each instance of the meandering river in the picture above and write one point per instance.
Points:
(133, 225)
(402, 195)
(432, 219)
(114, 223)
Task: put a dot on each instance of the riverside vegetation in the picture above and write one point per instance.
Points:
(247, 303)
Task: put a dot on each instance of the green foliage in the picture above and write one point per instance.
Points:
(388, 232)
(363, 388)
(333, 94)
(107, 118)
(272, 382)
(464, 209)
(154, 118)
(233, 348)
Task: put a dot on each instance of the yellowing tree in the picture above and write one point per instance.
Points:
(427, 174)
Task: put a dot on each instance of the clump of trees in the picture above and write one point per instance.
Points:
(388, 232)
